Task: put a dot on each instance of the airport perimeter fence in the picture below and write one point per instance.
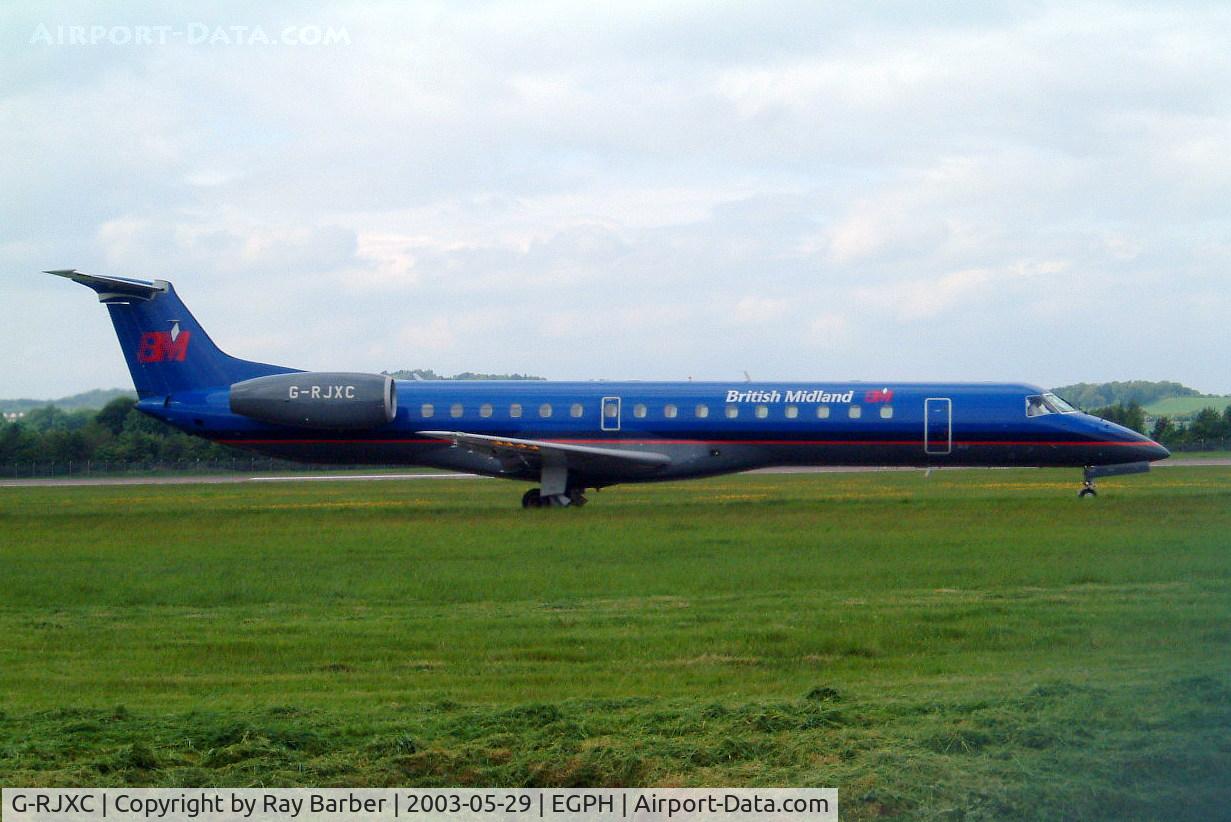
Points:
(39, 469)
(1211, 444)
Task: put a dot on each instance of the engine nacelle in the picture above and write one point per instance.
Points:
(320, 399)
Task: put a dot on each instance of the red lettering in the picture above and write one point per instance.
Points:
(151, 347)
(157, 346)
(176, 349)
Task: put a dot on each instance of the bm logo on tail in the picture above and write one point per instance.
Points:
(164, 346)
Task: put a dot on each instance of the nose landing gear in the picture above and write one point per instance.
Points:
(1092, 472)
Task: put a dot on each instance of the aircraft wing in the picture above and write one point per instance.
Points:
(535, 454)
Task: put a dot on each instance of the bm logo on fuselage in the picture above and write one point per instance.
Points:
(164, 346)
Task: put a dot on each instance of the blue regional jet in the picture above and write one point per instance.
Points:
(570, 437)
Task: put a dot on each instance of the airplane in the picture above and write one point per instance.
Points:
(570, 437)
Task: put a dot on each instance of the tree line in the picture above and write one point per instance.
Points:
(116, 433)
(1206, 428)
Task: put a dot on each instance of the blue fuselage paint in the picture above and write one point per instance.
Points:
(705, 427)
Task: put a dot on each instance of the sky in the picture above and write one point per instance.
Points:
(800, 191)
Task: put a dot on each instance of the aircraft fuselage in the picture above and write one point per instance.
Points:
(705, 428)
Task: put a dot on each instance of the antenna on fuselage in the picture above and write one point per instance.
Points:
(747, 377)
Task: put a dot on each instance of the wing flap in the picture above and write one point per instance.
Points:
(521, 453)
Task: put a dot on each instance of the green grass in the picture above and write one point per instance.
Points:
(1187, 406)
(974, 643)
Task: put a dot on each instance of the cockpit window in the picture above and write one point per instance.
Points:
(1064, 407)
(1039, 404)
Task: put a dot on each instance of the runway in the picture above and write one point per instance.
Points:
(230, 479)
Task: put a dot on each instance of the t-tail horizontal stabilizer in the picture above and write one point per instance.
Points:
(114, 289)
(166, 349)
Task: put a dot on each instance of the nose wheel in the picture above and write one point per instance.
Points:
(1088, 489)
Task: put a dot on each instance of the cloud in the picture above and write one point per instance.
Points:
(925, 299)
(640, 191)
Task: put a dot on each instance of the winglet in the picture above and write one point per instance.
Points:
(114, 289)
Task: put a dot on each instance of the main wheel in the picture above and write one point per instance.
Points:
(532, 499)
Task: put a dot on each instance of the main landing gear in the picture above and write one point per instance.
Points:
(534, 498)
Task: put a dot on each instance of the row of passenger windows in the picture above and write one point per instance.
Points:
(669, 411)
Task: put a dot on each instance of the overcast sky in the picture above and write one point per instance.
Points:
(1017, 191)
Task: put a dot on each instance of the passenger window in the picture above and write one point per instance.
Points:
(485, 410)
(791, 412)
(576, 410)
(545, 410)
(669, 411)
(762, 411)
(515, 409)
(426, 410)
(610, 410)
(886, 412)
(455, 410)
(732, 411)
(639, 410)
(703, 411)
(855, 412)
(822, 412)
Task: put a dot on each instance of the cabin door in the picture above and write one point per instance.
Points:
(611, 414)
(937, 425)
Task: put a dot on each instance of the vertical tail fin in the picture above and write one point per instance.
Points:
(165, 347)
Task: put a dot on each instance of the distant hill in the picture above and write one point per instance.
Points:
(1090, 395)
(1158, 399)
(429, 374)
(87, 399)
(1182, 407)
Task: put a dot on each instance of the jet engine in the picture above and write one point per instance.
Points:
(321, 399)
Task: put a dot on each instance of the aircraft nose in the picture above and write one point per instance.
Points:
(1155, 452)
(1142, 448)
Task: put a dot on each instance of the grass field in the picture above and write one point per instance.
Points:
(1186, 406)
(976, 643)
